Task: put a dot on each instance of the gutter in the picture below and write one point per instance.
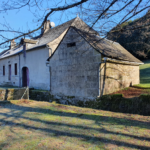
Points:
(122, 61)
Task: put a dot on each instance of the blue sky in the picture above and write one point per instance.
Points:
(23, 19)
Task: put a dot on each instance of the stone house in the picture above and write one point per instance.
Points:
(70, 59)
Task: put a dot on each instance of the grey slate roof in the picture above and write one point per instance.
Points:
(106, 47)
(11, 52)
(51, 35)
(55, 32)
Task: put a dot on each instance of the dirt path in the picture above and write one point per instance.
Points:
(132, 92)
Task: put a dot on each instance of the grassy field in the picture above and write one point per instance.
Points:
(145, 73)
(36, 125)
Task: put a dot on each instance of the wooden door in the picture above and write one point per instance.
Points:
(25, 77)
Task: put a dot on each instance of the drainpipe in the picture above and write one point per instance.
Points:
(99, 76)
(19, 71)
(49, 49)
(48, 65)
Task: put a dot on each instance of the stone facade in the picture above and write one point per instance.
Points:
(75, 69)
(118, 76)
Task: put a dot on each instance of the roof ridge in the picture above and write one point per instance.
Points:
(84, 25)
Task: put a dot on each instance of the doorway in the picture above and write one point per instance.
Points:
(25, 77)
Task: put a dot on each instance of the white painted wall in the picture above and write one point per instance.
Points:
(39, 75)
(14, 78)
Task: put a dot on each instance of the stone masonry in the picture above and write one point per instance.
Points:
(118, 76)
(75, 70)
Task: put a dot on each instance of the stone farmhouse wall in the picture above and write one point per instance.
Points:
(75, 69)
(39, 75)
(35, 61)
(14, 78)
(118, 76)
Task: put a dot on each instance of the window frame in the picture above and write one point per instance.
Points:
(9, 72)
(3, 70)
(15, 68)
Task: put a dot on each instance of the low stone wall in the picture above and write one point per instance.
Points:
(3, 95)
(12, 94)
(40, 95)
(116, 103)
(62, 99)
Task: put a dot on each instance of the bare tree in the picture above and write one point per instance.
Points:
(100, 15)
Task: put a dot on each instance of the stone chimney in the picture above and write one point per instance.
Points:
(47, 26)
(12, 44)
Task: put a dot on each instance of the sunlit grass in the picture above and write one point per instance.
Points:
(144, 75)
(144, 86)
(43, 125)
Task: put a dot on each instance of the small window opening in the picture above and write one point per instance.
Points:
(71, 44)
(9, 72)
(15, 68)
(3, 70)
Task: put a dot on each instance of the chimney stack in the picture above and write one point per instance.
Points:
(47, 26)
(12, 44)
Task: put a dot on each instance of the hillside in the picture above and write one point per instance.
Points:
(135, 40)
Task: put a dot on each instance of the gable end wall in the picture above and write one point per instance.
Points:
(74, 70)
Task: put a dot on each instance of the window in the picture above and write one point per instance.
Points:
(71, 44)
(15, 68)
(9, 72)
(3, 70)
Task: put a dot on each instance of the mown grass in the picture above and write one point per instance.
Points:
(142, 86)
(41, 125)
(144, 75)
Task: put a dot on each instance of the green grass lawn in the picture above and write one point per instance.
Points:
(50, 126)
(144, 75)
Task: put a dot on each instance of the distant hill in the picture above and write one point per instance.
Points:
(136, 41)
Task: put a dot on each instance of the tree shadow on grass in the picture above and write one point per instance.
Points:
(96, 118)
(56, 132)
(71, 126)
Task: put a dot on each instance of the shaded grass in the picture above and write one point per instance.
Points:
(43, 125)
